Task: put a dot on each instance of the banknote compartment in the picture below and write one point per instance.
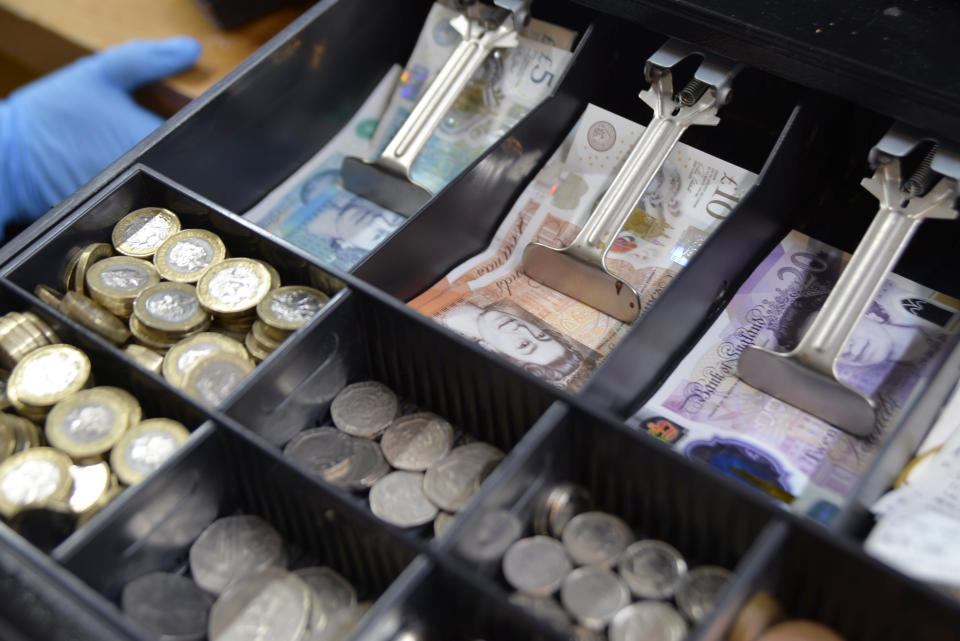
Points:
(299, 93)
(225, 474)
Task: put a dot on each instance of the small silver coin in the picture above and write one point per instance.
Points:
(544, 608)
(233, 548)
(653, 569)
(417, 441)
(699, 589)
(536, 565)
(452, 482)
(596, 538)
(364, 409)
(593, 595)
(364, 467)
(489, 536)
(557, 505)
(341, 624)
(332, 593)
(398, 498)
(442, 523)
(648, 621)
(321, 451)
(168, 606)
(272, 604)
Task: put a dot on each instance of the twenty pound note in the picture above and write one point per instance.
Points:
(490, 300)
(712, 416)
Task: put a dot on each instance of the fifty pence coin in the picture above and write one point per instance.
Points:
(398, 498)
(699, 589)
(593, 595)
(289, 308)
(233, 548)
(442, 523)
(272, 604)
(536, 565)
(557, 505)
(364, 409)
(333, 594)
(167, 605)
(417, 441)
(489, 536)
(648, 621)
(320, 450)
(452, 482)
(144, 447)
(185, 255)
(653, 569)
(596, 538)
(141, 232)
(214, 377)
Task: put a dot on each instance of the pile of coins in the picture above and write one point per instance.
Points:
(199, 318)
(416, 467)
(762, 618)
(241, 589)
(607, 580)
(61, 474)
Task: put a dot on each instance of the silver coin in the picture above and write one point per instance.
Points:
(699, 589)
(557, 505)
(593, 595)
(648, 621)
(216, 379)
(536, 565)
(442, 523)
(272, 604)
(320, 450)
(364, 467)
(233, 548)
(653, 569)
(596, 538)
(169, 606)
(340, 624)
(452, 482)
(398, 498)
(417, 441)
(544, 608)
(489, 536)
(364, 409)
(332, 593)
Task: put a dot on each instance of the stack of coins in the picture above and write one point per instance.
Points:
(606, 579)
(173, 290)
(240, 581)
(281, 312)
(20, 334)
(415, 467)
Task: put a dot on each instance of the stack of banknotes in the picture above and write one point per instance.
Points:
(312, 210)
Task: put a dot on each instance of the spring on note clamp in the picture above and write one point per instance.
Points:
(922, 177)
(692, 92)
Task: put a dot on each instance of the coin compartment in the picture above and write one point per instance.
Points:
(230, 473)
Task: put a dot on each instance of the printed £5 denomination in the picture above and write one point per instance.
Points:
(716, 418)
(490, 300)
(312, 210)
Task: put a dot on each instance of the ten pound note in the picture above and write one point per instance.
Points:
(710, 415)
(312, 210)
(490, 300)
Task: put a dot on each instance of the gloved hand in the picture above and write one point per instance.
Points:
(59, 131)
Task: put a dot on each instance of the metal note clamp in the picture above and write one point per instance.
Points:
(579, 270)
(806, 377)
(387, 180)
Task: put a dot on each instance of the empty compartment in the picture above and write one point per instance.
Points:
(226, 475)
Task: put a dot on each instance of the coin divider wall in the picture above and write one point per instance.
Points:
(231, 473)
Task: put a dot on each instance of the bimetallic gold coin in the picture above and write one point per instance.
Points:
(91, 487)
(145, 357)
(17, 343)
(34, 478)
(234, 286)
(43, 326)
(184, 256)
(151, 338)
(262, 337)
(274, 334)
(89, 255)
(258, 351)
(141, 232)
(170, 307)
(95, 317)
(115, 282)
(70, 270)
(145, 447)
(185, 353)
(291, 307)
(47, 375)
(26, 433)
(88, 423)
(274, 275)
(214, 377)
(48, 295)
(134, 411)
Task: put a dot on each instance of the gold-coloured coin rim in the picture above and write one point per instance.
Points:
(28, 434)
(212, 305)
(264, 339)
(99, 502)
(118, 459)
(191, 376)
(58, 438)
(163, 265)
(124, 223)
(94, 317)
(265, 314)
(144, 353)
(151, 338)
(90, 255)
(225, 344)
(274, 275)
(68, 276)
(114, 299)
(60, 494)
(43, 326)
(150, 321)
(43, 401)
(258, 351)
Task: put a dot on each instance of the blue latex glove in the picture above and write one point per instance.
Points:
(59, 131)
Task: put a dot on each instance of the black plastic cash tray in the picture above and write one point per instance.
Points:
(804, 133)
